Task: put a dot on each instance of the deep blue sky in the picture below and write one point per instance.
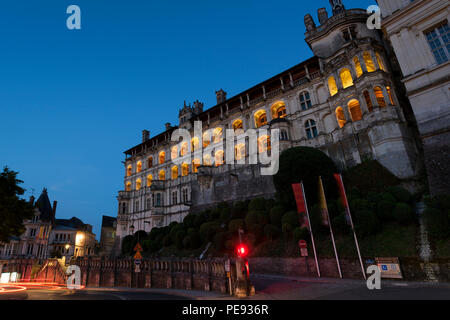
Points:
(72, 101)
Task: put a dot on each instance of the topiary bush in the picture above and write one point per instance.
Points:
(340, 224)
(400, 194)
(257, 204)
(300, 234)
(290, 221)
(235, 225)
(276, 213)
(367, 223)
(208, 230)
(385, 210)
(271, 231)
(403, 213)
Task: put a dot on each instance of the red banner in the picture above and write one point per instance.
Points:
(300, 200)
(343, 195)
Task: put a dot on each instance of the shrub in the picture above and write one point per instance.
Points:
(304, 164)
(291, 218)
(251, 218)
(276, 213)
(208, 230)
(174, 231)
(389, 197)
(192, 240)
(403, 213)
(340, 224)
(238, 210)
(200, 218)
(400, 194)
(179, 237)
(225, 215)
(128, 244)
(438, 223)
(385, 210)
(359, 204)
(367, 223)
(257, 230)
(235, 225)
(271, 231)
(189, 221)
(301, 234)
(167, 242)
(219, 240)
(258, 204)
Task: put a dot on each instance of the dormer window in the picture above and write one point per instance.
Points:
(349, 33)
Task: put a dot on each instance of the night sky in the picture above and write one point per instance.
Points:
(72, 101)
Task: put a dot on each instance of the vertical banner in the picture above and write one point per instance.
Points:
(348, 217)
(302, 207)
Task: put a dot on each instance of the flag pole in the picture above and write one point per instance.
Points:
(331, 229)
(347, 208)
(310, 230)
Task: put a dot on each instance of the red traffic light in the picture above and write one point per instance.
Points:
(242, 250)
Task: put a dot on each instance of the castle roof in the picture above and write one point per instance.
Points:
(44, 207)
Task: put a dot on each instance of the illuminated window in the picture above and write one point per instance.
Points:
(139, 166)
(369, 62)
(355, 110)
(128, 186)
(332, 86)
(174, 172)
(184, 169)
(260, 118)
(346, 78)
(358, 67)
(206, 139)
(340, 117)
(368, 100)
(380, 61)
(150, 162)
(195, 165)
(149, 180)
(138, 184)
(278, 110)
(184, 149)
(311, 129)
(237, 124)
(217, 135)
(219, 158)
(264, 144)
(129, 170)
(305, 100)
(380, 97)
(207, 160)
(195, 143)
(162, 157)
(239, 151)
(162, 175)
(389, 91)
(174, 152)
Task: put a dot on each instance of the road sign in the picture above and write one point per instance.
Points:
(389, 267)
(227, 265)
(138, 256)
(303, 244)
(138, 247)
(304, 252)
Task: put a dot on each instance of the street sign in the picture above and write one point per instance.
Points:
(389, 268)
(227, 265)
(137, 265)
(304, 252)
(303, 244)
(138, 256)
(138, 247)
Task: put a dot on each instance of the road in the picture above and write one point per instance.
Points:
(268, 287)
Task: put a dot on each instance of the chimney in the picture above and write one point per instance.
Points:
(221, 96)
(322, 15)
(145, 135)
(168, 126)
(54, 208)
(32, 200)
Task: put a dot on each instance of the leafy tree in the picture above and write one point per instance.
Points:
(13, 210)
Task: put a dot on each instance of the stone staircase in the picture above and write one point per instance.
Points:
(424, 248)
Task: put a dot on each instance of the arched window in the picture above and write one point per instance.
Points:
(311, 129)
(174, 152)
(195, 143)
(162, 157)
(174, 172)
(184, 169)
(149, 180)
(206, 139)
(128, 186)
(217, 135)
(332, 86)
(264, 144)
(391, 98)
(239, 151)
(340, 117)
(368, 100)
(138, 184)
(346, 78)
(260, 118)
(305, 100)
(207, 160)
(358, 67)
(278, 110)
(355, 110)
(162, 175)
(237, 124)
(149, 162)
(380, 61)
(219, 158)
(195, 165)
(139, 166)
(184, 149)
(129, 170)
(284, 135)
(380, 97)
(369, 61)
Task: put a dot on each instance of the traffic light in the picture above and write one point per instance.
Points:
(242, 250)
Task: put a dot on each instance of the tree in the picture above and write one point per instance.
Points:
(13, 210)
